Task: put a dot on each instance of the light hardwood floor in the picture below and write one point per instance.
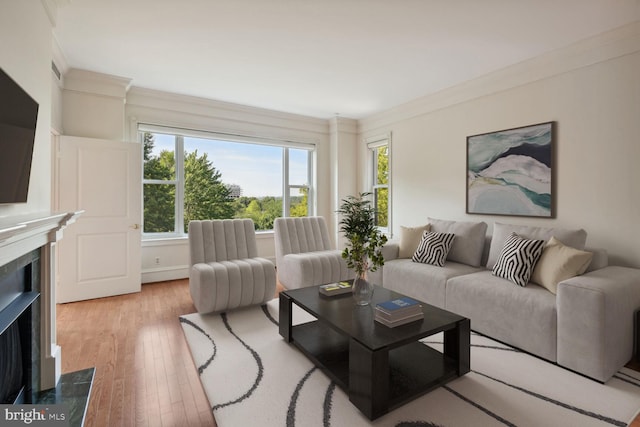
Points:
(144, 372)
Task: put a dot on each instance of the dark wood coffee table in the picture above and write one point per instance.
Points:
(380, 368)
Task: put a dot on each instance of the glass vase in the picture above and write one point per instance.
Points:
(362, 290)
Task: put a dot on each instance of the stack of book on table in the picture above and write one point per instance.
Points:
(398, 311)
(338, 288)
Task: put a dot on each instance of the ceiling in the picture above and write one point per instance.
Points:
(320, 58)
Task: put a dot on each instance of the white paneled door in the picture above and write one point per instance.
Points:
(100, 254)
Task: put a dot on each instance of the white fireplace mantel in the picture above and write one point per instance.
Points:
(20, 235)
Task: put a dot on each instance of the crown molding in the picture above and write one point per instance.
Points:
(343, 125)
(96, 83)
(203, 107)
(51, 9)
(613, 44)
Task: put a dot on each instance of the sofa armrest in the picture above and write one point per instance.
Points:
(390, 251)
(595, 320)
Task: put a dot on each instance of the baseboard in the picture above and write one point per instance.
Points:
(175, 272)
(165, 273)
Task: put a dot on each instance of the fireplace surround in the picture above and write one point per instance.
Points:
(19, 328)
(27, 304)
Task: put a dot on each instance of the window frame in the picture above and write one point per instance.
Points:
(180, 134)
(287, 186)
(374, 144)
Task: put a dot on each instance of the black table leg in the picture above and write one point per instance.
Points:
(285, 316)
(368, 379)
(456, 345)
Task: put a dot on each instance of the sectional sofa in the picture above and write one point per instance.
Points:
(576, 310)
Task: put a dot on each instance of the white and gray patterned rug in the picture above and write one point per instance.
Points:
(253, 378)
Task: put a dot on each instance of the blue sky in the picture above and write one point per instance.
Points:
(257, 169)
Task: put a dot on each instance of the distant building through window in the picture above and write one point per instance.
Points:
(235, 191)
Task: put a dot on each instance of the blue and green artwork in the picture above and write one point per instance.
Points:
(509, 172)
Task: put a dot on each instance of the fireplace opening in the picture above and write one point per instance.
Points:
(11, 371)
(19, 329)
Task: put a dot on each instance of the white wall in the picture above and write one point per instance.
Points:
(591, 90)
(93, 105)
(25, 55)
(343, 166)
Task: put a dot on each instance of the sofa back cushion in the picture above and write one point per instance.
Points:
(468, 243)
(600, 259)
(501, 232)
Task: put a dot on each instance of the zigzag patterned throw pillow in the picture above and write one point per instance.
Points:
(518, 259)
(433, 248)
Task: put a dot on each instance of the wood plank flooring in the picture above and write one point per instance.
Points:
(144, 372)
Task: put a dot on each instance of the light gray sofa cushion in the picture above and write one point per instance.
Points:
(523, 317)
(469, 241)
(574, 238)
(424, 282)
(600, 259)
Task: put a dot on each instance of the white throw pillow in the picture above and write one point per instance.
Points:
(409, 240)
(559, 262)
(518, 259)
(433, 248)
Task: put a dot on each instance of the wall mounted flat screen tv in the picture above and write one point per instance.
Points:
(18, 116)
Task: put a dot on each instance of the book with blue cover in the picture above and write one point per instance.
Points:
(402, 304)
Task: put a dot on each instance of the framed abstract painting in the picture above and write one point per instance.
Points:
(510, 172)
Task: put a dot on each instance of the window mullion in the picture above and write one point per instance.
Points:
(285, 183)
(179, 153)
(310, 187)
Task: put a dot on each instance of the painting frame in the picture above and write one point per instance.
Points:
(511, 172)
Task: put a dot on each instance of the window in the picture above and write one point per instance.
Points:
(190, 175)
(380, 175)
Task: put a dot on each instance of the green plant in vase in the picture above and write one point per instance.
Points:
(364, 243)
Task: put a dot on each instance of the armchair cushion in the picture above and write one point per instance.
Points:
(305, 255)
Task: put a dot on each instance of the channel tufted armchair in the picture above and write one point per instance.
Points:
(225, 271)
(305, 255)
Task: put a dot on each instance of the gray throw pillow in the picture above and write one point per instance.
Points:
(469, 242)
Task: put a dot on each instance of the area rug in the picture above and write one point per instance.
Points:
(252, 377)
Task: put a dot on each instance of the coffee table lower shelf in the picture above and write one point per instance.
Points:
(414, 368)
